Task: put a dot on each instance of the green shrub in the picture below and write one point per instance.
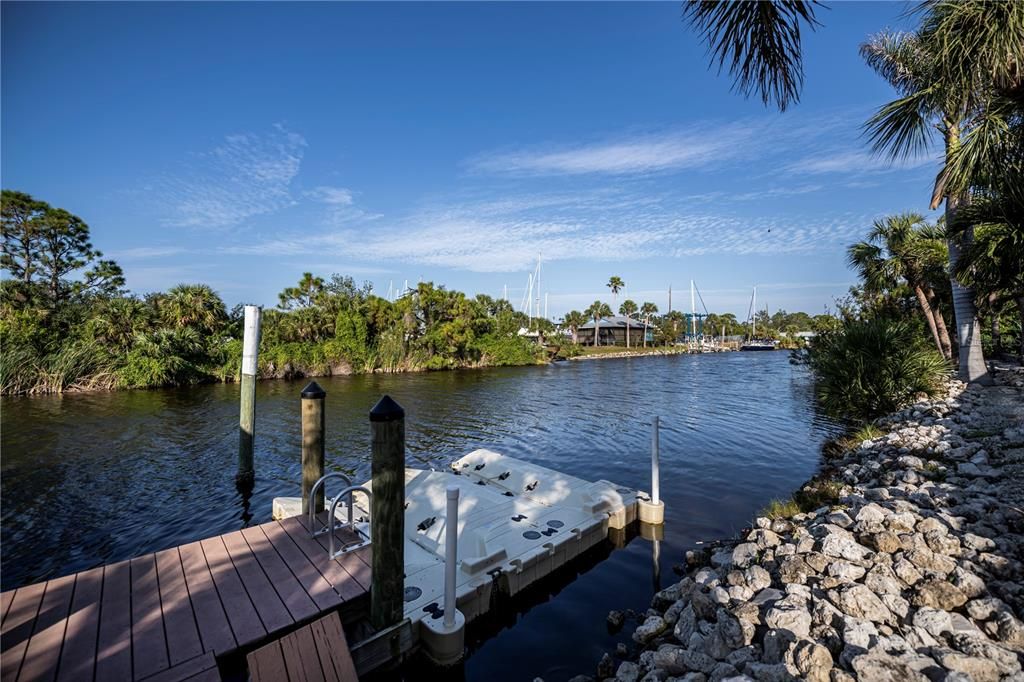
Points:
(781, 509)
(871, 367)
(508, 350)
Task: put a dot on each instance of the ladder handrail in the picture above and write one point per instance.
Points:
(351, 504)
(312, 497)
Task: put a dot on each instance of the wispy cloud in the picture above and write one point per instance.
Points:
(692, 147)
(850, 162)
(145, 252)
(508, 235)
(335, 196)
(246, 175)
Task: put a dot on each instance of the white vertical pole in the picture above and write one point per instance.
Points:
(655, 463)
(451, 543)
(693, 311)
(545, 305)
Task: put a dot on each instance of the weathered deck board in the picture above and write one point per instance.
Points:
(78, 655)
(114, 649)
(169, 615)
(316, 586)
(149, 640)
(317, 652)
(17, 628)
(214, 629)
(179, 621)
(288, 588)
(48, 632)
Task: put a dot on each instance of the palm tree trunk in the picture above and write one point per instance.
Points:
(646, 319)
(929, 315)
(968, 331)
(997, 341)
(597, 330)
(627, 332)
(1020, 312)
(940, 324)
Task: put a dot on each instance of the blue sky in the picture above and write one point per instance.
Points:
(241, 144)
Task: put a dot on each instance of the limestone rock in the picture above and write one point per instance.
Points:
(860, 602)
(938, 594)
(651, 628)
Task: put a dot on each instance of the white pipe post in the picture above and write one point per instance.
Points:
(451, 544)
(655, 463)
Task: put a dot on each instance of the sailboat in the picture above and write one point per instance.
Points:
(755, 343)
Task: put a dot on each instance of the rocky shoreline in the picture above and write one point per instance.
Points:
(913, 572)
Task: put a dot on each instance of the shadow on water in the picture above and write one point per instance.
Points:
(91, 479)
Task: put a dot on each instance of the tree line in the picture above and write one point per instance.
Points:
(68, 323)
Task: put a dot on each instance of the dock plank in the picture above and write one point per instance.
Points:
(183, 641)
(316, 586)
(17, 628)
(283, 580)
(149, 641)
(300, 656)
(214, 630)
(336, 572)
(266, 664)
(48, 632)
(78, 653)
(114, 645)
(188, 670)
(272, 610)
(5, 603)
(245, 620)
(332, 648)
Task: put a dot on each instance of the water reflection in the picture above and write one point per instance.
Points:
(91, 479)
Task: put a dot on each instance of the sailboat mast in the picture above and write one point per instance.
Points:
(753, 316)
(693, 311)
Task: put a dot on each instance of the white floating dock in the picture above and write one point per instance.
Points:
(517, 523)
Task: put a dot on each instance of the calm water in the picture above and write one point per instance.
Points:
(91, 479)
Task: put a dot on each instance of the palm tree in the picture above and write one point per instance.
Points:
(615, 284)
(760, 41)
(903, 247)
(675, 317)
(596, 312)
(994, 262)
(647, 310)
(928, 101)
(574, 319)
(193, 305)
(628, 309)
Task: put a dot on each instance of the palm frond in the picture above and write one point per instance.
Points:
(759, 42)
(900, 129)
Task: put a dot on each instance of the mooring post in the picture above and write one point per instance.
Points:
(655, 462)
(653, 511)
(444, 640)
(387, 513)
(247, 413)
(451, 550)
(312, 445)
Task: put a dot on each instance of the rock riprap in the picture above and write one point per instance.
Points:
(916, 573)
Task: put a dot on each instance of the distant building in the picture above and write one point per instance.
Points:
(612, 332)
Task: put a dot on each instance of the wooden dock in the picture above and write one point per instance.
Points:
(186, 613)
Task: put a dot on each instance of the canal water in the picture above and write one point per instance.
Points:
(94, 478)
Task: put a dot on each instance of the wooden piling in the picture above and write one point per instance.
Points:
(247, 410)
(387, 514)
(312, 444)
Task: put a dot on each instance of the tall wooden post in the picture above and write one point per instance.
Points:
(247, 412)
(312, 444)
(387, 513)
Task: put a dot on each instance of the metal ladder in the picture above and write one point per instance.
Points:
(332, 520)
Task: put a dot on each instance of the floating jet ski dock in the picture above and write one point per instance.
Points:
(515, 523)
